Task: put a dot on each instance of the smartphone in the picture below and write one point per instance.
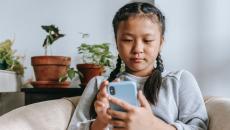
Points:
(124, 90)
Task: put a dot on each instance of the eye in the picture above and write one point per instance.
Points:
(127, 40)
(148, 41)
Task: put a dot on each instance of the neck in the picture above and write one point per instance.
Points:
(143, 73)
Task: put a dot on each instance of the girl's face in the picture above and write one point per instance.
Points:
(139, 41)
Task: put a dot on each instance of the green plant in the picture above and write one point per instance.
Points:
(53, 35)
(70, 74)
(8, 60)
(98, 54)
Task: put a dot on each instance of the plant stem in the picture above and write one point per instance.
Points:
(51, 52)
(45, 50)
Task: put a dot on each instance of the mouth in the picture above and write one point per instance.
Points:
(137, 60)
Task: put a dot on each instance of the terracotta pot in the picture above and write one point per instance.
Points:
(89, 71)
(50, 68)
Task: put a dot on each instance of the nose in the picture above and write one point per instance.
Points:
(138, 47)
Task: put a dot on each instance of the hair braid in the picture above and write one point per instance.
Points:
(114, 73)
(153, 83)
(160, 65)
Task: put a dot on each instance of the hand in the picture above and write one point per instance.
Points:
(101, 105)
(136, 118)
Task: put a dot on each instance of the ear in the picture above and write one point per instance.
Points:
(116, 43)
(161, 43)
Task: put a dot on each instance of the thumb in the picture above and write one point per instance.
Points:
(143, 101)
(103, 87)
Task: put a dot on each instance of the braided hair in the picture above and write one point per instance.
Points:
(153, 83)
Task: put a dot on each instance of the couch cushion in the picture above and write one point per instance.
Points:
(219, 113)
(48, 115)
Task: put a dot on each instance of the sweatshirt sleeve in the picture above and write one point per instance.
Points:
(192, 111)
(81, 119)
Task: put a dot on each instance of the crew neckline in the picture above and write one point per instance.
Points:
(140, 81)
(138, 78)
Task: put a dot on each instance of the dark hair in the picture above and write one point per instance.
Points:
(153, 83)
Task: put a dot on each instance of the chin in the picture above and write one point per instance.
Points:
(137, 68)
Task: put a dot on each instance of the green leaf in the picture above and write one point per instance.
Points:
(71, 73)
(97, 53)
(8, 57)
(53, 34)
(80, 74)
(63, 78)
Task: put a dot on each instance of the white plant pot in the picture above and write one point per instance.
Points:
(9, 81)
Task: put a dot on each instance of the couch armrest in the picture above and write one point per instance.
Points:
(219, 113)
(47, 115)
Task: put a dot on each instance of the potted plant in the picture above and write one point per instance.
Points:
(48, 69)
(11, 70)
(95, 58)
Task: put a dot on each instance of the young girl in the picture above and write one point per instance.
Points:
(169, 101)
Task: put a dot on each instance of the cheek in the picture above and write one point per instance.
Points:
(122, 49)
(123, 53)
(152, 52)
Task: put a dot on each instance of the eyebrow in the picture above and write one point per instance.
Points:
(127, 33)
(130, 34)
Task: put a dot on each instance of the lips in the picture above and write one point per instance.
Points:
(137, 60)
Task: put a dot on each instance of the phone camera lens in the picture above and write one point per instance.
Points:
(112, 90)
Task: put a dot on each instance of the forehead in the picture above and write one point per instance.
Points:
(139, 25)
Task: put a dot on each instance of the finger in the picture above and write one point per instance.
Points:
(143, 101)
(101, 95)
(117, 114)
(103, 87)
(99, 106)
(117, 123)
(105, 101)
(103, 84)
(121, 103)
(101, 110)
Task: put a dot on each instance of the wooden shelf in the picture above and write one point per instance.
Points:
(33, 95)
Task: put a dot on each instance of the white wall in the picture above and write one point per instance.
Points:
(197, 33)
(197, 39)
(180, 39)
(22, 20)
(214, 47)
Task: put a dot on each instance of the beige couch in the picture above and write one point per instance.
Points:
(56, 114)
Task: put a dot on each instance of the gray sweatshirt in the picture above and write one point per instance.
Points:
(180, 101)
